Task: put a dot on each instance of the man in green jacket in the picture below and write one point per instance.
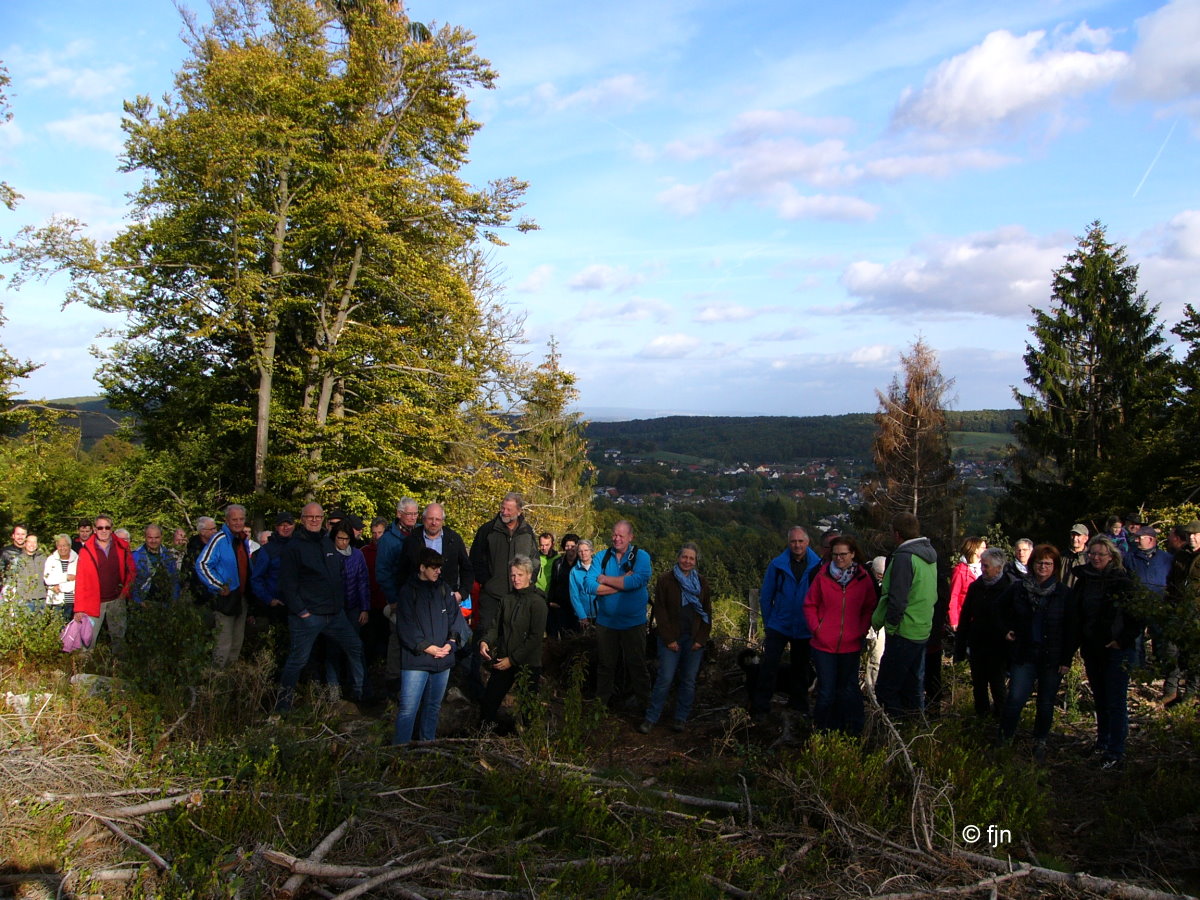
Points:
(905, 612)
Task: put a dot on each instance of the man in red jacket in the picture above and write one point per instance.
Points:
(103, 579)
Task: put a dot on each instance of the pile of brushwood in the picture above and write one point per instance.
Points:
(120, 786)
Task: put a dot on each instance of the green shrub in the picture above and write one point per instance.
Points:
(29, 636)
(167, 647)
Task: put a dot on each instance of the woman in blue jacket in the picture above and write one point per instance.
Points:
(430, 628)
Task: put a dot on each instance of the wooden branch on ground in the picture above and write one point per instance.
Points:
(112, 826)
(988, 883)
(1080, 880)
(321, 869)
(731, 890)
(292, 885)
(192, 798)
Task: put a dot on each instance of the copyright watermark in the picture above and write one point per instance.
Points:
(993, 836)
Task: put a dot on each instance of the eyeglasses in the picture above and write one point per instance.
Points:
(103, 528)
(847, 553)
(1045, 562)
(317, 517)
(1099, 554)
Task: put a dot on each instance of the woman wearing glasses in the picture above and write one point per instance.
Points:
(1038, 621)
(1107, 632)
(838, 609)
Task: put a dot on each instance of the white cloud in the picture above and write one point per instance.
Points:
(670, 346)
(101, 215)
(61, 70)
(600, 277)
(933, 165)
(756, 122)
(797, 333)
(871, 355)
(619, 91)
(99, 131)
(1007, 77)
(535, 282)
(639, 309)
(791, 204)
(999, 273)
(1169, 266)
(725, 312)
(1166, 58)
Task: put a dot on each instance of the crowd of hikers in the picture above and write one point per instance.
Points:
(390, 609)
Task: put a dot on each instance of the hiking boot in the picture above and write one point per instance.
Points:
(1039, 751)
(677, 726)
(645, 726)
(1112, 764)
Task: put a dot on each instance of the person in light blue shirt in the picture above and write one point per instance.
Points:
(622, 598)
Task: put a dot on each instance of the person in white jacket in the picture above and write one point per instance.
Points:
(59, 575)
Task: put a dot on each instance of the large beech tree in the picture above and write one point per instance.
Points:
(308, 310)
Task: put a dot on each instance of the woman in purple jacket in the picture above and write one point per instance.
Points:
(357, 585)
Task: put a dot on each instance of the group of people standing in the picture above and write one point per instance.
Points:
(417, 597)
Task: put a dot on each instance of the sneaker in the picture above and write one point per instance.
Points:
(645, 726)
(1112, 764)
(677, 726)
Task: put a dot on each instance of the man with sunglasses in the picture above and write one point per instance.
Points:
(104, 576)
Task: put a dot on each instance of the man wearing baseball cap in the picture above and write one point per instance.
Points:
(1077, 556)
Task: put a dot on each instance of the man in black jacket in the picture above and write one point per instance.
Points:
(496, 543)
(310, 585)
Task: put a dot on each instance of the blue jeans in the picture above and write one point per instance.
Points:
(684, 663)
(1108, 675)
(1024, 676)
(900, 684)
(839, 699)
(420, 691)
(303, 633)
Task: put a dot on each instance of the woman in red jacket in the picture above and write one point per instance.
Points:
(964, 574)
(838, 608)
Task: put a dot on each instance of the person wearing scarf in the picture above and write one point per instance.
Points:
(838, 610)
(682, 623)
(1038, 621)
(980, 638)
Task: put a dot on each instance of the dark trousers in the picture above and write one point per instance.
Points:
(773, 646)
(839, 698)
(499, 684)
(899, 685)
(622, 649)
(987, 675)
(303, 634)
(1107, 672)
(1025, 676)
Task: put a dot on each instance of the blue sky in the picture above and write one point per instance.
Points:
(744, 208)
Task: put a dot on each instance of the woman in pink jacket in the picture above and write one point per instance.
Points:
(838, 608)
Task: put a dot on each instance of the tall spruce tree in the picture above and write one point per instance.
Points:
(301, 278)
(553, 451)
(911, 450)
(1099, 379)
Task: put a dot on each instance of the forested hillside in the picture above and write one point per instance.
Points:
(768, 438)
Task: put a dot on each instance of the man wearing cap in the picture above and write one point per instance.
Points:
(1150, 567)
(1077, 556)
(264, 568)
(456, 572)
